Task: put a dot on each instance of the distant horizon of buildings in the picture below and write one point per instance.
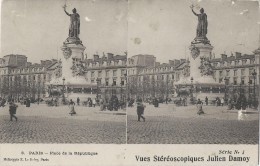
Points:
(139, 73)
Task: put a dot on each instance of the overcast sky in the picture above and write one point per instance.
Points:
(163, 28)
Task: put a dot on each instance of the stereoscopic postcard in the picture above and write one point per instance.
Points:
(129, 82)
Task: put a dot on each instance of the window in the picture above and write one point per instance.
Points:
(242, 72)
(235, 73)
(114, 73)
(122, 72)
(92, 74)
(235, 81)
(92, 81)
(99, 73)
(251, 71)
(229, 63)
(252, 61)
(242, 80)
(236, 62)
(107, 81)
(220, 73)
(107, 73)
(227, 72)
(243, 61)
(114, 81)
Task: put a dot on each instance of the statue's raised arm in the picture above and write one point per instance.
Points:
(64, 7)
(194, 12)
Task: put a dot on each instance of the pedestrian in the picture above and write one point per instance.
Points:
(72, 108)
(12, 110)
(94, 102)
(222, 102)
(28, 102)
(140, 110)
(101, 102)
(156, 102)
(206, 100)
(199, 107)
(78, 100)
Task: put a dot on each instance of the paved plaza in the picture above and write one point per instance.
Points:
(181, 125)
(43, 124)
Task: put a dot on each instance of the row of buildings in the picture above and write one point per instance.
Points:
(139, 75)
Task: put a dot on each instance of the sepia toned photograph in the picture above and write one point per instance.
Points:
(63, 66)
(193, 72)
(126, 81)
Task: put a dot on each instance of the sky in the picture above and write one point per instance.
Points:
(163, 28)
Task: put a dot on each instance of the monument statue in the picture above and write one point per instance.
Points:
(202, 23)
(74, 28)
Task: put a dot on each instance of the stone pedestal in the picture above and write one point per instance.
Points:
(73, 51)
(198, 51)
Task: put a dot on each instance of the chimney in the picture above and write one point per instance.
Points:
(238, 55)
(110, 55)
(183, 60)
(176, 62)
(171, 62)
(96, 57)
(223, 56)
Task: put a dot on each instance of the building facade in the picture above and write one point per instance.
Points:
(237, 73)
(140, 75)
(19, 78)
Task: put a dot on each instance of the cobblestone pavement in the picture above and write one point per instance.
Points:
(42, 124)
(170, 125)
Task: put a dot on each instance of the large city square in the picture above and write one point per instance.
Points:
(43, 124)
(168, 124)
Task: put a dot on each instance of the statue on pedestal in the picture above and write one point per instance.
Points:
(202, 27)
(74, 28)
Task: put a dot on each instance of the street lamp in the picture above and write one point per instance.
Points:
(97, 87)
(191, 80)
(225, 98)
(254, 100)
(63, 87)
(167, 78)
(126, 89)
(240, 89)
(249, 103)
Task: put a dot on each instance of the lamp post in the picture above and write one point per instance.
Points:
(225, 97)
(240, 89)
(167, 78)
(38, 92)
(249, 103)
(97, 88)
(63, 87)
(126, 89)
(191, 80)
(254, 100)
(121, 84)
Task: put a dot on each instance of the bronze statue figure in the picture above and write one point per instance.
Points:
(202, 23)
(74, 28)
